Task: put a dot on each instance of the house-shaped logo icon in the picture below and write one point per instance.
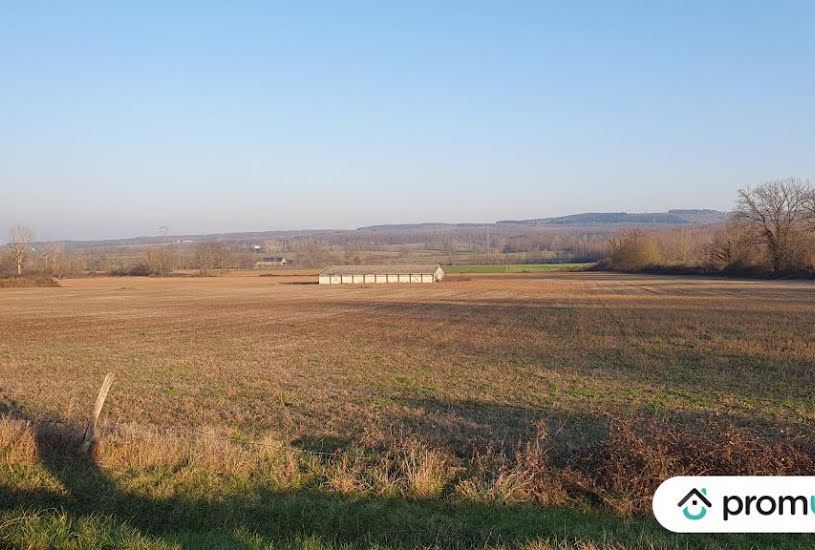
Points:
(697, 508)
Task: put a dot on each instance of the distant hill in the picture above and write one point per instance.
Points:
(671, 217)
(602, 219)
(426, 226)
(193, 238)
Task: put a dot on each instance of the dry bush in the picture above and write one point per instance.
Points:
(159, 260)
(624, 470)
(27, 282)
(736, 248)
(633, 250)
(6, 262)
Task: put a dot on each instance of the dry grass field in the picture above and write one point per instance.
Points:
(555, 402)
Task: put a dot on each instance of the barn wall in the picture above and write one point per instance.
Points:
(334, 279)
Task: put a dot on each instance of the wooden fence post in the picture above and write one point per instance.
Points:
(97, 409)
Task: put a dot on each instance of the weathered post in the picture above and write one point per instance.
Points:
(97, 409)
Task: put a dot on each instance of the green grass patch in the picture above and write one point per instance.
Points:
(100, 515)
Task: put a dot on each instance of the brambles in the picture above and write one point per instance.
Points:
(624, 469)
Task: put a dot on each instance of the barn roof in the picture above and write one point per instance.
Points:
(396, 269)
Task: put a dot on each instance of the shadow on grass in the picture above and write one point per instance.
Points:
(261, 517)
(287, 518)
(310, 517)
(468, 426)
(471, 426)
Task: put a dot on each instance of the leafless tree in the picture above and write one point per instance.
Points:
(779, 211)
(809, 207)
(683, 246)
(51, 252)
(20, 239)
(159, 260)
(211, 255)
(733, 248)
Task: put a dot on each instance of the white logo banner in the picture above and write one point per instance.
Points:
(736, 504)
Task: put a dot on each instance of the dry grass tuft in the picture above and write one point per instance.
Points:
(424, 473)
(17, 443)
(526, 475)
(346, 475)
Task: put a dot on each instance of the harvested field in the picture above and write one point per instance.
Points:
(476, 362)
(548, 377)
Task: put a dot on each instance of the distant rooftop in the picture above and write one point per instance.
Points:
(395, 269)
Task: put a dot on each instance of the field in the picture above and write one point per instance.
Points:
(515, 268)
(491, 410)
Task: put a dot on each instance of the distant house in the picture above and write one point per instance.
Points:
(358, 274)
(271, 261)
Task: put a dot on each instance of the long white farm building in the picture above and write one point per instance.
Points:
(358, 274)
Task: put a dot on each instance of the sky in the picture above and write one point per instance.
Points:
(117, 118)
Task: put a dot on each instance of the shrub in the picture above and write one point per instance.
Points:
(624, 470)
(633, 250)
(27, 282)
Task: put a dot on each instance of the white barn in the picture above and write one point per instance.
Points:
(359, 274)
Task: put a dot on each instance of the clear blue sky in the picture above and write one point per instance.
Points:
(117, 118)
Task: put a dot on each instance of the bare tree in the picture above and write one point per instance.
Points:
(809, 207)
(779, 211)
(20, 239)
(211, 255)
(159, 260)
(51, 251)
(683, 247)
(733, 248)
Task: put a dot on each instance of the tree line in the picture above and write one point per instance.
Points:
(771, 232)
(22, 255)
